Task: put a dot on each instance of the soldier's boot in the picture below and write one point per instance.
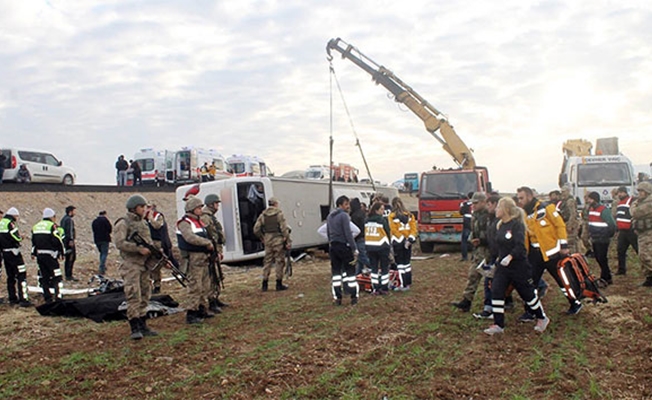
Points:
(264, 288)
(280, 285)
(214, 306)
(136, 334)
(463, 305)
(144, 329)
(221, 304)
(204, 313)
(647, 282)
(193, 318)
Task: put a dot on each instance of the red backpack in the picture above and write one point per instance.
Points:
(578, 281)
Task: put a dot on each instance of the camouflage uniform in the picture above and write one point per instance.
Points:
(479, 223)
(134, 268)
(641, 211)
(193, 240)
(568, 212)
(273, 230)
(216, 235)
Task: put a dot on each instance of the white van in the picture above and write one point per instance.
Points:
(153, 165)
(44, 167)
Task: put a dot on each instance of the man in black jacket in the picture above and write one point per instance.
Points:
(69, 233)
(359, 218)
(102, 237)
(343, 252)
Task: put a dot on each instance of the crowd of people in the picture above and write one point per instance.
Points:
(512, 242)
(516, 240)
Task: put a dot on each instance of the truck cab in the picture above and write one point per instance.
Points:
(597, 173)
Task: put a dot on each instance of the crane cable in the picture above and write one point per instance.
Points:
(346, 108)
(330, 161)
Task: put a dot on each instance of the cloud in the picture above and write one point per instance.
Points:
(92, 80)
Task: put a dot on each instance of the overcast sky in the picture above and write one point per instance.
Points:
(89, 80)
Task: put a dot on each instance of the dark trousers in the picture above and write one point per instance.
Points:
(16, 277)
(464, 246)
(403, 257)
(71, 256)
(342, 271)
(539, 266)
(600, 251)
(626, 238)
(379, 265)
(50, 276)
(520, 277)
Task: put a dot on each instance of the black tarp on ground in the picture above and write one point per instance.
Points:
(100, 308)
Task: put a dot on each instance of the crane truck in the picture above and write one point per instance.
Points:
(440, 190)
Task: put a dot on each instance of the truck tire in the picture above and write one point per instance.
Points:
(427, 247)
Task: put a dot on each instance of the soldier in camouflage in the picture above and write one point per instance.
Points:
(136, 265)
(641, 211)
(479, 222)
(275, 234)
(568, 210)
(215, 234)
(195, 247)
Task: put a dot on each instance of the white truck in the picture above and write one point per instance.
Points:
(303, 202)
(585, 172)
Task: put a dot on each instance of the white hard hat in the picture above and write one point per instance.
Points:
(48, 213)
(13, 211)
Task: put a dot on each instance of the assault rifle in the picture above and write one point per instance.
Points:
(217, 277)
(160, 257)
(288, 263)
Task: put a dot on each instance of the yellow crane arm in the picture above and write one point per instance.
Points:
(436, 123)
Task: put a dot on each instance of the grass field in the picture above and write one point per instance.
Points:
(297, 345)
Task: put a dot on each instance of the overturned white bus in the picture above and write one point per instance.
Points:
(304, 203)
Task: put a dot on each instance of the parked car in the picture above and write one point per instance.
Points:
(44, 167)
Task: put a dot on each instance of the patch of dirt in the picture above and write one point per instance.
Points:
(302, 344)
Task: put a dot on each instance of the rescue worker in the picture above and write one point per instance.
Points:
(216, 234)
(641, 211)
(466, 212)
(204, 172)
(158, 232)
(626, 234)
(195, 249)
(69, 234)
(489, 267)
(135, 268)
(48, 247)
(272, 229)
(546, 235)
(478, 237)
(403, 228)
(567, 208)
(512, 267)
(601, 228)
(10, 241)
(343, 252)
(377, 233)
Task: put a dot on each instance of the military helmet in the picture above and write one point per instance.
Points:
(134, 201)
(212, 198)
(645, 186)
(192, 203)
